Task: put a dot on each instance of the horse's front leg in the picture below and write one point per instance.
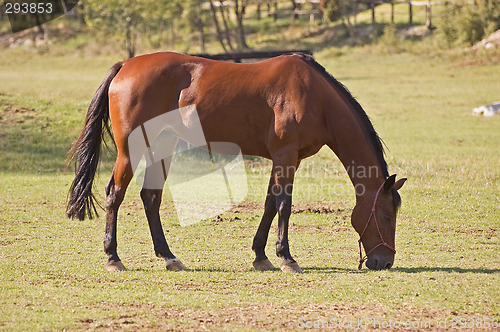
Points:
(282, 189)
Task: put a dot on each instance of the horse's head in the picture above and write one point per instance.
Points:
(374, 218)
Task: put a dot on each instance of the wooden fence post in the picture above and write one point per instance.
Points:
(411, 13)
(372, 5)
(428, 20)
(392, 12)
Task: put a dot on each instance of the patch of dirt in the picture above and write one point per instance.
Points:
(315, 208)
(12, 114)
(323, 228)
(488, 232)
(14, 109)
(254, 208)
(253, 316)
(492, 59)
(248, 207)
(311, 207)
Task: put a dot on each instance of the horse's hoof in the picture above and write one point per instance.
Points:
(291, 267)
(263, 265)
(175, 264)
(115, 266)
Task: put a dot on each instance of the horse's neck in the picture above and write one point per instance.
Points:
(352, 145)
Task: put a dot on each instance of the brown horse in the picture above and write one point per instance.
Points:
(285, 108)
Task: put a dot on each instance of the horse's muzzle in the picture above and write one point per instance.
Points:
(380, 261)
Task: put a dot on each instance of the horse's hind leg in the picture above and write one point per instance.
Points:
(115, 191)
(261, 262)
(151, 197)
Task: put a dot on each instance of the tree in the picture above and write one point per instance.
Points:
(468, 24)
(227, 31)
(124, 19)
(239, 11)
(198, 19)
(218, 29)
(330, 9)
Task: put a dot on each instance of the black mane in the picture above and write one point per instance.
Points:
(365, 120)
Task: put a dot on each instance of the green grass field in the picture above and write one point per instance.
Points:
(447, 265)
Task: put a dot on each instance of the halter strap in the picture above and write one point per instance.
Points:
(382, 243)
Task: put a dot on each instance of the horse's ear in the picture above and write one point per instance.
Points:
(389, 183)
(399, 183)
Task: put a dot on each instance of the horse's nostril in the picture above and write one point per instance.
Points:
(388, 266)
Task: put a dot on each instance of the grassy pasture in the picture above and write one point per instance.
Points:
(447, 266)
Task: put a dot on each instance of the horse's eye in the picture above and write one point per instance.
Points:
(387, 218)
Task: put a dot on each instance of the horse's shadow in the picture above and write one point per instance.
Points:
(405, 270)
(328, 270)
(444, 269)
(338, 270)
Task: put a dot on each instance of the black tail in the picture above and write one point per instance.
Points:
(86, 150)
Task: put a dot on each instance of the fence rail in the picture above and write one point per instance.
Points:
(427, 3)
(237, 57)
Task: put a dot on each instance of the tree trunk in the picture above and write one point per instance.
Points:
(295, 6)
(129, 39)
(217, 26)
(227, 32)
(240, 12)
(201, 26)
(174, 35)
(271, 12)
(346, 19)
(41, 31)
(81, 13)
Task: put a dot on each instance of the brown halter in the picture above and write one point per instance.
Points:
(382, 243)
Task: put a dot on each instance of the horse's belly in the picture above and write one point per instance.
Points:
(244, 121)
(249, 136)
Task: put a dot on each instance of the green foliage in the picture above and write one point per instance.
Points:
(471, 26)
(389, 37)
(331, 11)
(125, 20)
(468, 24)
